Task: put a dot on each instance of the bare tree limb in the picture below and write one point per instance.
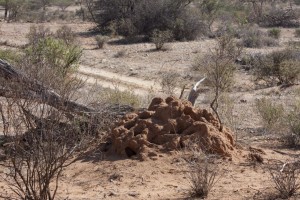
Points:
(194, 93)
(32, 89)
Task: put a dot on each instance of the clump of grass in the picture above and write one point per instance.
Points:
(101, 41)
(274, 33)
(285, 176)
(270, 113)
(117, 96)
(204, 174)
(252, 37)
(297, 33)
(159, 38)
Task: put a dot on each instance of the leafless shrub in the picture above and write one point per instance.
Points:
(204, 174)
(40, 149)
(169, 82)
(121, 54)
(159, 38)
(219, 66)
(100, 40)
(286, 178)
(37, 33)
(66, 34)
(42, 137)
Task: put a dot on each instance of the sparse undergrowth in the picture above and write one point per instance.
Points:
(204, 173)
(285, 177)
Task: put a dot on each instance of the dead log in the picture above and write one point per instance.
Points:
(33, 90)
(194, 93)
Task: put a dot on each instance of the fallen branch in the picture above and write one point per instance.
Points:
(194, 93)
(34, 90)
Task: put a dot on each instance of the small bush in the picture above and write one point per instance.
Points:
(285, 176)
(293, 120)
(289, 71)
(120, 54)
(116, 96)
(219, 67)
(142, 17)
(278, 67)
(37, 33)
(159, 38)
(66, 34)
(10, 56)
(100, 40)
(169, 82)
(274, 33)
(255, 38)
(280, 18)
(204, 174)
(270, 113)
(297, 33)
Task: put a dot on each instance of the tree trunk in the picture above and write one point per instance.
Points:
(25, 88)
(194, 93)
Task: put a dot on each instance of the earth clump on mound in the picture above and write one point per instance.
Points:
(167, 125)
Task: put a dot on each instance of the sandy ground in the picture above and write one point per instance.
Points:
(105, 176)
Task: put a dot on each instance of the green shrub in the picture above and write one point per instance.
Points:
(274, 33)
(116, 96)
(279, 67)
(293, 122)
(280, 17)
(289, 71)
(254, 38)
(10, 56)
(55, 53)
(297, 33)
(270, 113)
(159, 38)
(142, 17)
(100, 40)
(297, 2)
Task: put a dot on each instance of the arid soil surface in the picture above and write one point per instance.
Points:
(139, 68)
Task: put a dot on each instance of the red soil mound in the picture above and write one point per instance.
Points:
(168, 125)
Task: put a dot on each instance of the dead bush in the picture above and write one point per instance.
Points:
(219, 66)
(169, 82)
(66, 34)
(285, 176)
(204, 174)
(42, 137)
(37, 33)
(100, 40)
(159, 38)
(271, 114)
